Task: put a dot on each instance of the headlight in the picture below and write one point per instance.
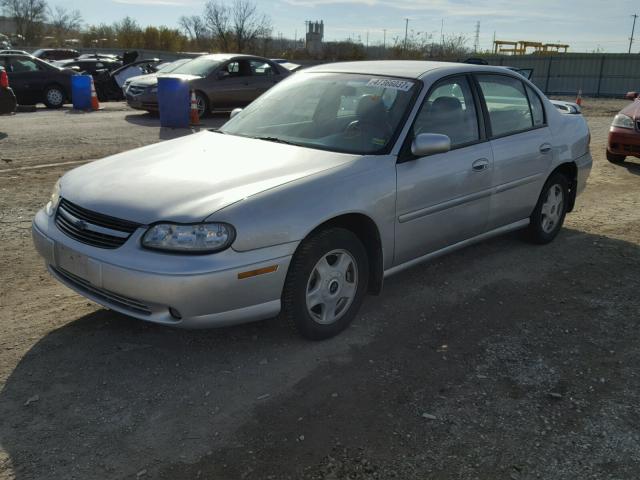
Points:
(198, 238)
(153, 90)
(623, 121)
(50, 207)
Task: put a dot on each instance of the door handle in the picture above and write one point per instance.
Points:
(545, 148)
(480, 165)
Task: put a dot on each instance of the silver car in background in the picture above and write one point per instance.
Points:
(306, 200)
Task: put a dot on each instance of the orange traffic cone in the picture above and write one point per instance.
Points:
(194, 116)
(95, 105)
(579, 98)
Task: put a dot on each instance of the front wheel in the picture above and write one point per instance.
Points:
(326, 283)
(548, 216)
(54, 97)
(615, 158)
(203, 105)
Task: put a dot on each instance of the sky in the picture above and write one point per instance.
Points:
(586, 25)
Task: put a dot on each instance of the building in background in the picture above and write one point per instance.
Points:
(314, 38)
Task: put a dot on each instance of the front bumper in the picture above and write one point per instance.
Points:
(145, 101)
(624, 141)
(204, 289)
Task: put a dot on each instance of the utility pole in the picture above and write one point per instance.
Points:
(384, 40)
(406, 32)
(476, 42)
(633, 30)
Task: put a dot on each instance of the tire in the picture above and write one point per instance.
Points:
(326, 284)
(54, 96)
(203, 105)
(614, 158)
(548, 216)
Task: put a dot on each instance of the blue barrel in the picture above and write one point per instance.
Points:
(173, 102)
(81, 92)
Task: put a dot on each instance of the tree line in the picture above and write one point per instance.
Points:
(227, 27)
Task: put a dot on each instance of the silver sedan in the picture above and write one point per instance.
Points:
(310, 197)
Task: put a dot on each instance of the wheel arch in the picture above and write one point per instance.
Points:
(570, 171)
(366, 229)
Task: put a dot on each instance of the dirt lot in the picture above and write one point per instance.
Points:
(501, 361)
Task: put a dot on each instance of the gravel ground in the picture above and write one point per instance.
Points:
(503, 360)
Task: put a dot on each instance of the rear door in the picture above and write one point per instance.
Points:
(522, 146)
(443, 199)
(264, 75)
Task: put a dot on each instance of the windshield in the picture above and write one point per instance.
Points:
(198, 66)
(347, 113)
(170, 67)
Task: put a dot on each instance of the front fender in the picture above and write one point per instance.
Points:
(288, 213)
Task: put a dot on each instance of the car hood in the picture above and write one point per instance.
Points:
(152, 79)
(632, 110)
(188, 179)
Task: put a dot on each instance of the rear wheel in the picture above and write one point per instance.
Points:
(615, 158)
(54, 96)
(326, 283)
(548, 216)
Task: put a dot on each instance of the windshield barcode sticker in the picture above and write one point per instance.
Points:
(402, 85)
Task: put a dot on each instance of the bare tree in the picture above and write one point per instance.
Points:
(248, 24)
(217, 20)
(64, 21)
(195, 28)
(28, 15)
(239, 25)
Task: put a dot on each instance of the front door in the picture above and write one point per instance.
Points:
(233, 90)
(443, 199)
(25, 78)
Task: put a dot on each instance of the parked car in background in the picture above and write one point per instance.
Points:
(34, 80)
(221, 82)
(109, 83)
(8, 101)
(624, 133)
(162, 69)
(89, 66)
(15, 52)
(301, 204)
(52, 54)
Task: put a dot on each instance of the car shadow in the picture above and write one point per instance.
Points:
(103, 396)
(166, 133)
(3, 135)
(632, 166)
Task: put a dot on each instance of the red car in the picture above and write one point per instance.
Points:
(624, 134)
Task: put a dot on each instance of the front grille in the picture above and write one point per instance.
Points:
(92, 228)
(136, 90)
(121, 301)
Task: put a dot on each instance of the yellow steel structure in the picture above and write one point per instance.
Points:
(524, 47)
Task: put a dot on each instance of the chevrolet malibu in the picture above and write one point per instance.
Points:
(310, 197)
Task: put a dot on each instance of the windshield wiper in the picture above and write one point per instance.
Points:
(274, 139)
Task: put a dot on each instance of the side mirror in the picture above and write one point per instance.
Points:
(222, 74)
(234, 112)
(430, 143)
(631, 95)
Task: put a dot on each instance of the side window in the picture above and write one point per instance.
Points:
(449, 110)
(536, 107)
(233, 68)
(260, 68)
(507, 103)
(21, 65)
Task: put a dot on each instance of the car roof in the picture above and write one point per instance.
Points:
(400, 68)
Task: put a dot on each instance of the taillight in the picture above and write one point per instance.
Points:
(4, 79)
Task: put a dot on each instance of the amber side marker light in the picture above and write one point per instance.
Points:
(255, 273)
